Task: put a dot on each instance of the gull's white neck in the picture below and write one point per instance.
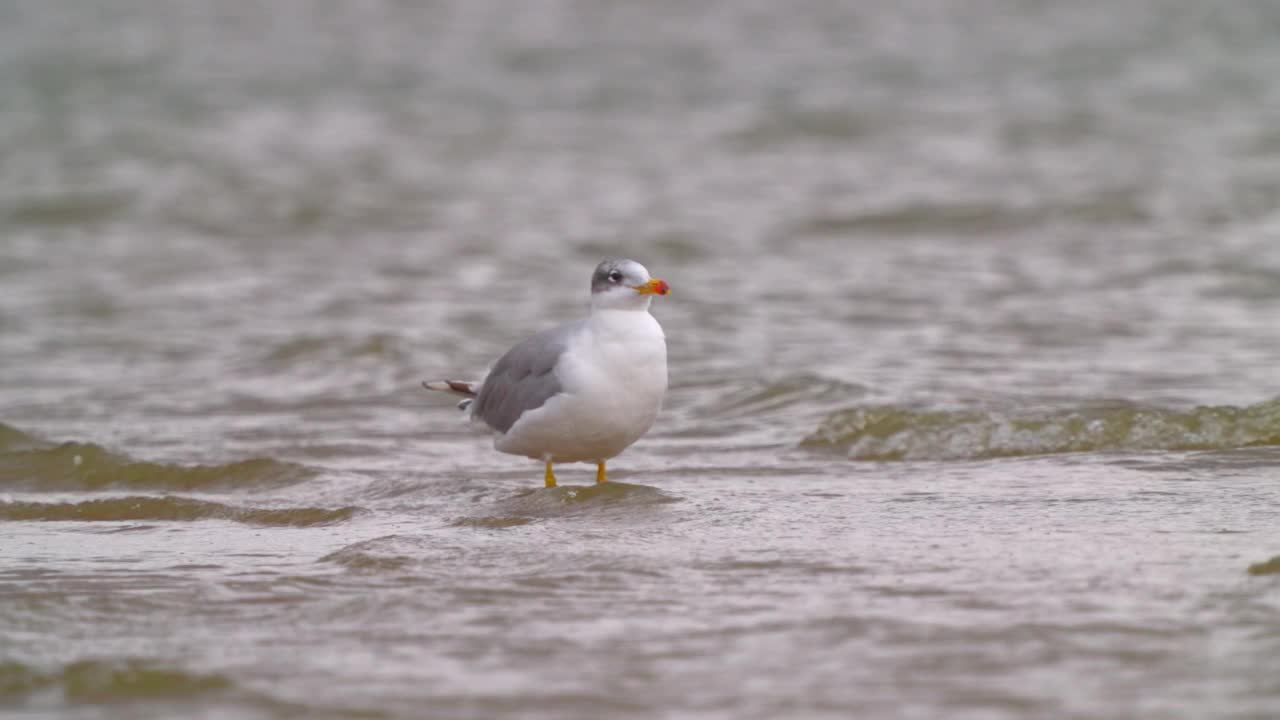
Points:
(638, 323)
(610, 302)
(624, 320)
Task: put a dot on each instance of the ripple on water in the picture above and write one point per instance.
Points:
(604, 500)
(391, 553)
(583, 500)
(121, 680)
(896, 433)
(498, 522)
(1270, 567)
(170, 509)
(774, 568)
(27, 462)
(802, 390)
(127, 684)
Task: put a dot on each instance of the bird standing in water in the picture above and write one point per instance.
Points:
(582, 391)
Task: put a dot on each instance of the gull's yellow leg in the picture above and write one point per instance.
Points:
(600, 476)
(551, 477)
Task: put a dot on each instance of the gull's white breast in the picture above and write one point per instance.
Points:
(614, 376)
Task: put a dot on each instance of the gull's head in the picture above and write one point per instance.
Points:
(624, 285)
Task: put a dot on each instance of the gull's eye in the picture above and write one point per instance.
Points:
(615, 276)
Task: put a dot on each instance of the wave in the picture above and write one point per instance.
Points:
(107, 681)
(801, 390)
(13, 439)
(576, 500)
(170, 509)
(1114, 206)
(68, 207)
(1269, 567)
(392, 553)
(29, 463)
(297, 350)
(893, 433)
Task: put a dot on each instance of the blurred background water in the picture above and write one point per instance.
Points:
(975, 408)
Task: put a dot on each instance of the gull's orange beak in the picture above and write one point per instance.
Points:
(653, 287)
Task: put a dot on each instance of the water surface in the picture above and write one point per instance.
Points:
(974, 409)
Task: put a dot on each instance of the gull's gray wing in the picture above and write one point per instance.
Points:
(524, 378)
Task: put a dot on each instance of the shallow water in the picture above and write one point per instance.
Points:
(974, 410)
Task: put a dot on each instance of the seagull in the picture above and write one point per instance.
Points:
(582, 391)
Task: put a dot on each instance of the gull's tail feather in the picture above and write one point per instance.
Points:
(457, 387)
(467, 390)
